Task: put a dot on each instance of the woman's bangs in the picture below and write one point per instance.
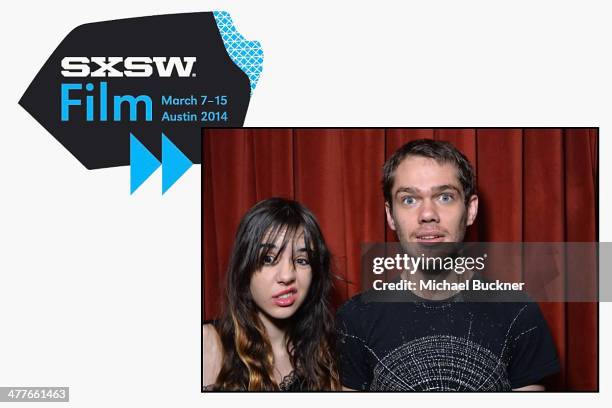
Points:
(273, 244)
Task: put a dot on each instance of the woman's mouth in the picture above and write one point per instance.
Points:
(285, 298)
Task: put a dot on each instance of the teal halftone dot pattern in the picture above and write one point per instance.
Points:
(247, 55)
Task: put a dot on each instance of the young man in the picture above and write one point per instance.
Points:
(438, 340)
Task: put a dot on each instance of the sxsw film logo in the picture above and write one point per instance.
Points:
(109, 90)
(100, 67)
(75, 94)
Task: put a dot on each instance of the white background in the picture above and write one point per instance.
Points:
(100, 290)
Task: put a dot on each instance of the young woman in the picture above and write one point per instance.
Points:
(277, 329)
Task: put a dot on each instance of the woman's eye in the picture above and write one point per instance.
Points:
(302, 261)
(408, 200)
(269, 259)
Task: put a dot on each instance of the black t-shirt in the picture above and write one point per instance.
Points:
(452, 345)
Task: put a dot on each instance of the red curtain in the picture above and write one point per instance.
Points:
(534, 185)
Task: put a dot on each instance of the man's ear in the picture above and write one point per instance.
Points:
(472, 209)
(389, 213)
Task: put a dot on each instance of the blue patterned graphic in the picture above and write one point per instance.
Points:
(247, 55)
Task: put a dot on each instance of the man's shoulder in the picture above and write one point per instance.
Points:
(517, 306)
(359, 306)
(351, 305)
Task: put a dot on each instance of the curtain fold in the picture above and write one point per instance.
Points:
(534, 185)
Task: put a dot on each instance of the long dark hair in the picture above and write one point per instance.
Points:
(248, 361)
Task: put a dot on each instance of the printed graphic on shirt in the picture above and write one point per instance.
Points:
(443, 346)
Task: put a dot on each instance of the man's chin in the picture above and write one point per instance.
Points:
(431, 249)
(434, 273)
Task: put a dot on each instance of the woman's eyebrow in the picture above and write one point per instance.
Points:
(267, 246)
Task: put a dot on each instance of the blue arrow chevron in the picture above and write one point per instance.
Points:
(174, 163)
(142, 163)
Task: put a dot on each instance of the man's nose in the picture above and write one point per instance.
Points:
(428, 212)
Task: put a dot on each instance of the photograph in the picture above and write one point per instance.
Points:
(285, 215)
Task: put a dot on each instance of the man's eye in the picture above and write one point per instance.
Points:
(446, 198)
(408, 200)
(302, 262)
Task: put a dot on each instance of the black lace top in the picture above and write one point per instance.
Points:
(291, 382)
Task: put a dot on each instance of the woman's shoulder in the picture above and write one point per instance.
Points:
(210, 336)
(212, 353)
